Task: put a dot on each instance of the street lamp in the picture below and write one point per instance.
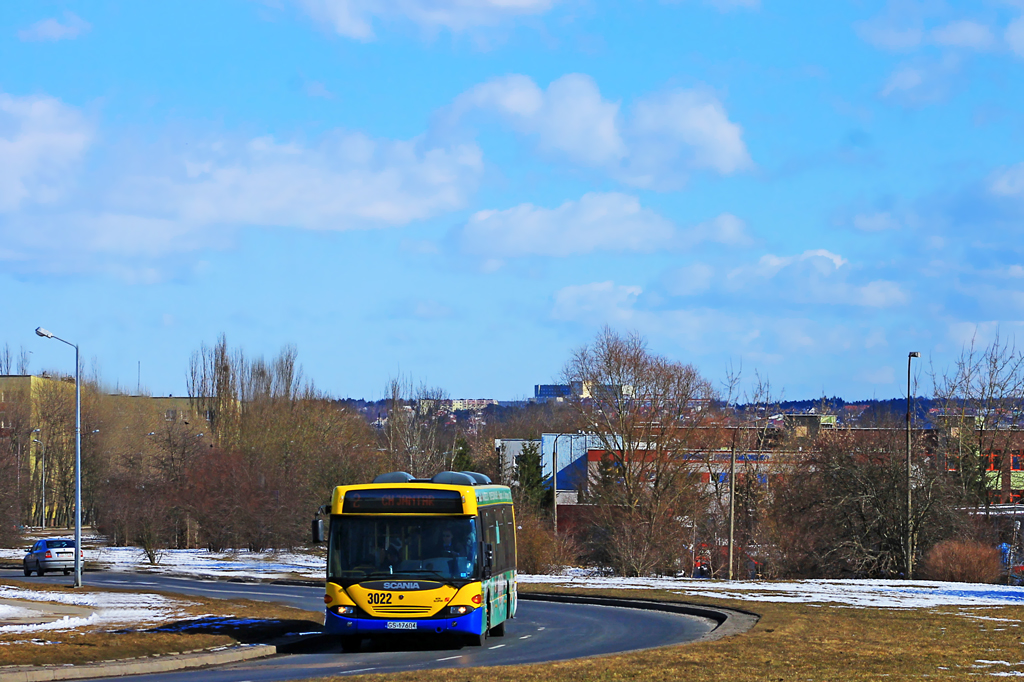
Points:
(554, 484)
(910, 534)
(42, 447)
(78, 455)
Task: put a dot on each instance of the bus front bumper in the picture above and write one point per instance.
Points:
(472, 624)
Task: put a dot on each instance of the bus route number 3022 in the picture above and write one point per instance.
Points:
(380, 597)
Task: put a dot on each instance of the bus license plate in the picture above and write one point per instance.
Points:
(401, 625)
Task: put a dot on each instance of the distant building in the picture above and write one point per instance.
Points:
(473, 404)
(543, 393)
(509, 450)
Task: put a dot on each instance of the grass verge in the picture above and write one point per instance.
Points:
(794, 642)
(204, 624)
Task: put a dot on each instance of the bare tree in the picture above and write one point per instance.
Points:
(415, 436)
(6, 359)
(644, 412)
(982, 414)
(843, 513)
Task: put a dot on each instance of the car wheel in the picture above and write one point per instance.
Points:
(40, 572)
(67, 571)
(28, 571)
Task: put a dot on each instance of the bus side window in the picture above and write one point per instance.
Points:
(501, 558)
(512, 536)
(486, 528)
(499, 547)
(510, 539)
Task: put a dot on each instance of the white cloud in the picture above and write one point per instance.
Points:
(876, 222)
(614, 222)
(688, 128)
(816, 276)
(881, 375)
(597, 222)
(725, 229)
(876, 339)
(157, 202)
(355, 18)
(896, 29)
(665, 137)
(922, 82)
(879, 294)
(820, 261)
(41, 140)
(1015, 36)
(570, 117)
(1009, 181)
(347, 181)
(966, 34)
(689, 280)
(598, 302)
(904, 78)
(51, 30)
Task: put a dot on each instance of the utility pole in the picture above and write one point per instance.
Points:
(42, 448)
(910, 532)
(554, 484)
(732, 503)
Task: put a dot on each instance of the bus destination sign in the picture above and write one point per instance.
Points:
(402, 501)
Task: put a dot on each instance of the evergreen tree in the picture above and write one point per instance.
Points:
(530, 475)
(462, 455)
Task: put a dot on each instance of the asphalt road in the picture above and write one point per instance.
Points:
(540, 632)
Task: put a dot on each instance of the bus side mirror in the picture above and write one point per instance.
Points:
(318, 531)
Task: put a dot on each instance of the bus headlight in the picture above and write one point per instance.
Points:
(344, 610)
(459, 610)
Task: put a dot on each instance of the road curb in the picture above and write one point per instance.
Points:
(730, 621)
(160, 664)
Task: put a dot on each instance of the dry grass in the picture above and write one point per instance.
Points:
(793, 642)
(90, 644)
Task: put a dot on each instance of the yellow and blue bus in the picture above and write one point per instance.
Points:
(431, 555)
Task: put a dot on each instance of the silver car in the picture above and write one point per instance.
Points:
(54, 554)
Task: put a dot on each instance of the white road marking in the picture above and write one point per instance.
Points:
(526, 636)
(361, 670)
(449, 658)
(539, 629)
(496, 647)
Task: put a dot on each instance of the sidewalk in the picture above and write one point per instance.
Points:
(26, 612)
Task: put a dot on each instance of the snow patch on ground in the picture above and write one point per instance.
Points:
(7, 612)
(310, 565)
(202, 563)
(108, 608)
(890, 594)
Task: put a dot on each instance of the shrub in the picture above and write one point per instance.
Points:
(962, 561)
(535, 545)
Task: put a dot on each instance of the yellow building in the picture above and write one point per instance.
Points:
(37, 416)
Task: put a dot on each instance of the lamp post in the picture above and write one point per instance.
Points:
(554, 484)
(42, 447)
(78, 455)
(910, 533)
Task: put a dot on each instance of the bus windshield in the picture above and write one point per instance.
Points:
(438, 548)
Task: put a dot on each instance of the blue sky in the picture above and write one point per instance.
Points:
(463, 191)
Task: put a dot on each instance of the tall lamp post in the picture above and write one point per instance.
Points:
(910, 533)
(78, 455)
(554, 484)
(42, 447)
